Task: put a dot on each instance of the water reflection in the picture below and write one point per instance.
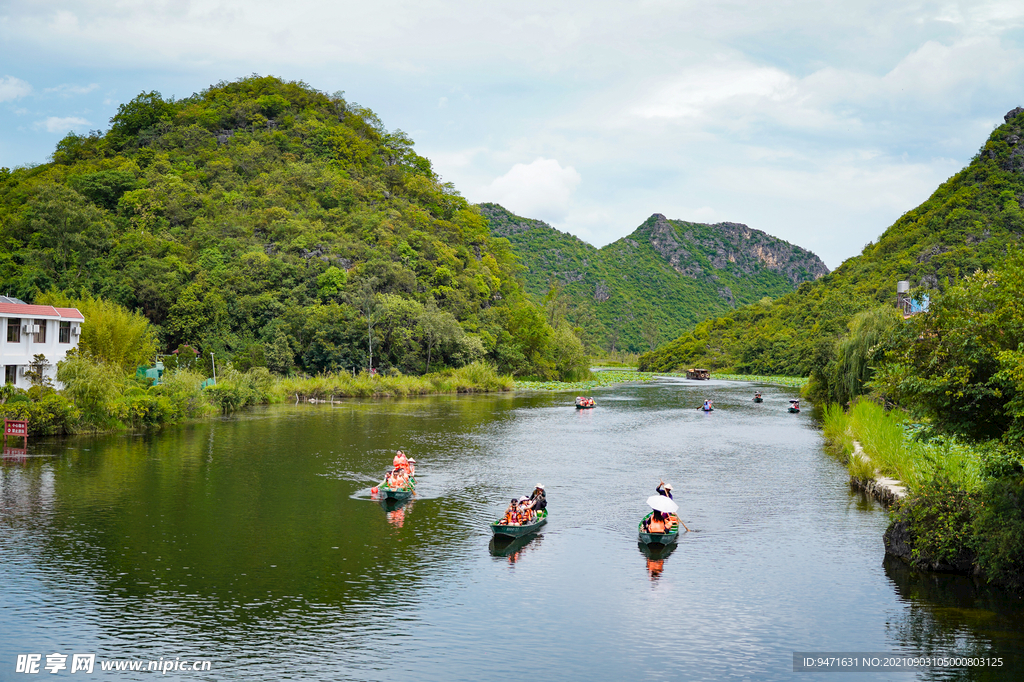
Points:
(656, 555)
(953, 615)
(395, 511)
(513, 549)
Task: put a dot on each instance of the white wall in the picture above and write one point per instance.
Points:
(20, 353)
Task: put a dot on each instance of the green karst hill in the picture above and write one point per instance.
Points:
(278, 226)
(662, 279)
(966, 225)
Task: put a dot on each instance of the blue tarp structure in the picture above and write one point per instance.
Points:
(153, 373)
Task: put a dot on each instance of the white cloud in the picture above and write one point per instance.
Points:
(12, 88)
(69, 89)
(61, 124)
(542, 189)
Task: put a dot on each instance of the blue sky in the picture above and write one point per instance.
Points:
(817, 122)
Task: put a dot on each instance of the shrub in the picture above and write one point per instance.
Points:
(940, 515)
(999, 529)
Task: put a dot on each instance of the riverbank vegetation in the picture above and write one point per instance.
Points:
(957, 371)
(597, 380)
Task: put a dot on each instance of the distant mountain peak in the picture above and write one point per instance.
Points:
(685, 245)
(671, 272)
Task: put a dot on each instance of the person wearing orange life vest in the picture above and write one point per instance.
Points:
(400, 460)
(656, 524)
(511, 517)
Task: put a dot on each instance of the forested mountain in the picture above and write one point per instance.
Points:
(272, 224)
(964, 226)
(660, 280)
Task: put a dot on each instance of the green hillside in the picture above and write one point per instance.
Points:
(275, 225)
(965, 225)
(660, 280)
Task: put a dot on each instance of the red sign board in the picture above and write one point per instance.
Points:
(15, 427)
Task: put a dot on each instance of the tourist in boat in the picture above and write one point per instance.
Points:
(664, 489)
(410, 467)
(538, 501)
(399, 479)
(707, 406)
(656, 523)
(400, 461)
(511, 517)
(757, 396)
(526, 513)
(671, 521)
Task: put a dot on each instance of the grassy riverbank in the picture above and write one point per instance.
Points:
(897, 448)
(791, 382)
(100, 398)
(965, 505)
(599, 379)
(475, 378)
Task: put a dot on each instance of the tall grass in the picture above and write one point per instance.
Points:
(895, 447)
(473, 378)
(792, 382)
(603, 378)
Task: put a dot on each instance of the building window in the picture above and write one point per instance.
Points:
(13, 330)
(64, 335)
(41, 336)
(10, 374)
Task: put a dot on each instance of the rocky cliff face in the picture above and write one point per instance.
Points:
(690, 247)
(664, 277)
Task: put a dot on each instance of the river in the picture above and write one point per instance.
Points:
(252, 542)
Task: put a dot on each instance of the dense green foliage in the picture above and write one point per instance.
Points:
(960, 369)
(110, 332)
(652, 284)
(966, 225)
(277, 226)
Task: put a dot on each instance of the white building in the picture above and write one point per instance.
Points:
(28, 330)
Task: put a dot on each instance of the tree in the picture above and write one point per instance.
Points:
(111, 332)
(650, 331)
(56, 226)
(437, 327)
(37, 371)
(364, 299)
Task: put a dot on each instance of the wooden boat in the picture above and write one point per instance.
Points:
(585, 407)
(398, 493)
(499, 529)
(758, 400)
(793, 410)
(668, 538)
(706, 409)
(699, 374)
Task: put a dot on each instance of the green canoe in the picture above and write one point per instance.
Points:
(794, 410)
(519, 531)
(398, 493)
(657, 538)
(758, 400)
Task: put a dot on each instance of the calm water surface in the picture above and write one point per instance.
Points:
(252, 542)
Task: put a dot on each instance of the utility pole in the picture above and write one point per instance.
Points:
(213, 361)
